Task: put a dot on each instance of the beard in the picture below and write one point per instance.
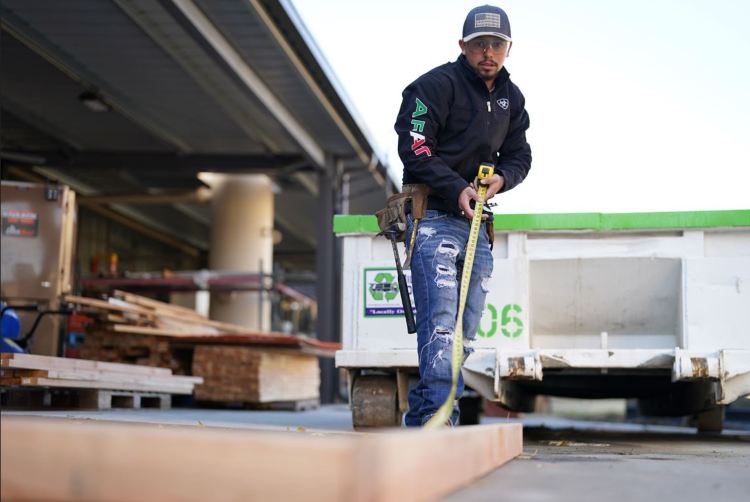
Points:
(485, 74)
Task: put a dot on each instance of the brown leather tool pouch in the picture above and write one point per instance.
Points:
(419, 194)
(393, 215)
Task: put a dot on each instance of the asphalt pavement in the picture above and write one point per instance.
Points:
(576, 460)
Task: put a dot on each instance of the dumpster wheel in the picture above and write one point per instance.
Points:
(710, 420)
(375, 401)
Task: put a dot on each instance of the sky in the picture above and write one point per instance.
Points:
(635, 106)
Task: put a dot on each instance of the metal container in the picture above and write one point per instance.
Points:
(650, 306)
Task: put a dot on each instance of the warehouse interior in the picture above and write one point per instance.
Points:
(198, 136)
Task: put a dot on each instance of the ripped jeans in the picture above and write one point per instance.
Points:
(436, 267)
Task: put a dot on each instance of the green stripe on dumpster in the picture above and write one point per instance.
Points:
(355, 224)
(349, 224)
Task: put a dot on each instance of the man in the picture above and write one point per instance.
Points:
(452, 119)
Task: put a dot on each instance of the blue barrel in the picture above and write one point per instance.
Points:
(10, 329)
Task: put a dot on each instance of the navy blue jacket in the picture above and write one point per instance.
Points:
(449, 123)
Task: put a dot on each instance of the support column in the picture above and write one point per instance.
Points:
(328, 297)
(242, 241)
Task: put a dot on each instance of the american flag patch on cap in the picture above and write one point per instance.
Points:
(487, 20)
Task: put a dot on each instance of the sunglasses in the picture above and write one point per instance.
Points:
(479, 45)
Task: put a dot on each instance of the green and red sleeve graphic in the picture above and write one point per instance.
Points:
(418, 140)
(421, 121)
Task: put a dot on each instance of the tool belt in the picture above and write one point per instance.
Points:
(414, 199)
(393, 216)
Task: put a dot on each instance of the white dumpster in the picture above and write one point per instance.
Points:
(653, 306)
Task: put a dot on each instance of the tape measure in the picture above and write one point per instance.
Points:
(446, 410)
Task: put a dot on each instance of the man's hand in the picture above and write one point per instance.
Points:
(464, 201)
(494, 185)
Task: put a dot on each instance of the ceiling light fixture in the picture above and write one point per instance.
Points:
(94, 102)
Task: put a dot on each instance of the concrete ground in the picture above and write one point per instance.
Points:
(593, 461)
(562, 459)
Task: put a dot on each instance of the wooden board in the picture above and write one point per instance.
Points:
(106, 306)
(169, 316)
(147, 330)
(175, 388)
(182, 314)
(44, 371)
(108, 376)
(143, 301)
(108, 461)
(36, 362)
(305, 344)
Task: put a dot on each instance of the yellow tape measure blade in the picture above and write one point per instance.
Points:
(443, 414)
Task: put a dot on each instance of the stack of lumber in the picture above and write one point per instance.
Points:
(253, 375)
(239, 365)
(129, 313)
(44, 371)
(103, 345)
(134, 329)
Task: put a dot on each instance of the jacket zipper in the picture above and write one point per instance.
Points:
(487, 122)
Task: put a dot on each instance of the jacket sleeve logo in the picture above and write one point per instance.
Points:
(417, 126)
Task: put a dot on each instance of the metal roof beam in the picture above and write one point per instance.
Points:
(281, 39)
(147, 161)
(234, 60)
(160, 34)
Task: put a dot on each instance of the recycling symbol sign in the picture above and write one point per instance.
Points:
(381, 292)
(384, 287)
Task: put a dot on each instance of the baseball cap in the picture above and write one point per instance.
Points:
(486, 20)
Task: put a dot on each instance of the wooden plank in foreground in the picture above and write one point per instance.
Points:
(115, 461)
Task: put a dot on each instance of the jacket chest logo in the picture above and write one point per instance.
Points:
(503, 103)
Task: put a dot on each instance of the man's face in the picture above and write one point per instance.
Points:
(486, 55)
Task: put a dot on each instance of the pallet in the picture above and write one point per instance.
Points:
(93, 460)
(108, 399)
(80, 399)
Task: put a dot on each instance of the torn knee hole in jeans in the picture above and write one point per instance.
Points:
(446, 276)
(444, 336)
(449, 248)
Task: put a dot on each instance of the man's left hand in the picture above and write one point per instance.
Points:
(494, 184)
